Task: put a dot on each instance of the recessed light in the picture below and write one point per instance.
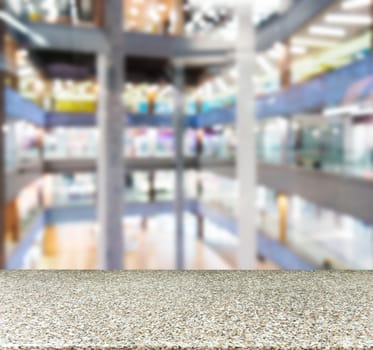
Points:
(134, 11)
(327, 31)
(355, 4)
(162, 7)
(298, 50)
(355, 20)
(313, 42)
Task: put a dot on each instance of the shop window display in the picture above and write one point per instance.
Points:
(54, 11)
(23, 145)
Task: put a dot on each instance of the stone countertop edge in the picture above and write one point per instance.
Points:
(197, 310)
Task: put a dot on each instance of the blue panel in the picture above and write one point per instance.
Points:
(16, 259)
(148, 209)
(54, 119)
(267, 106)
(65, 215)
(226, 115)
(311, 95)
(280, 254)
(346, 85)
(17, 107)
(140, 120)
(227, 223)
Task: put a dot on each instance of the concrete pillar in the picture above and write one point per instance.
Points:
(179, 155)
(110, 118)
(246, 157)
(2, 148)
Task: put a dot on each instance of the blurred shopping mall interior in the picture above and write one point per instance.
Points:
(185, 134)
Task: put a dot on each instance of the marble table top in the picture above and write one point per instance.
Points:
(186, 310)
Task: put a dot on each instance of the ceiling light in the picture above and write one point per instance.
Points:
(313, 42)
(21, 57)
(355, 20)
(355, 4)
(25, 71)
(337, 111)
(154, 15)
(39, 86)
(298, 50)
(134, 11)
(162, 7)
(327, 31)
(353, 110)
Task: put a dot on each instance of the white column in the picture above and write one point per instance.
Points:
(179, 158)
(110, 119)
(245, 125)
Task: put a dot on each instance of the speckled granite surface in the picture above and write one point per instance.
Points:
(188, 310)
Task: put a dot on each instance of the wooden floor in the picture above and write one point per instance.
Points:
(74, 247)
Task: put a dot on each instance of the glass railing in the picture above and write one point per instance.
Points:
(145, 152)
(357, 164)
(132, 195)
(65, 192)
